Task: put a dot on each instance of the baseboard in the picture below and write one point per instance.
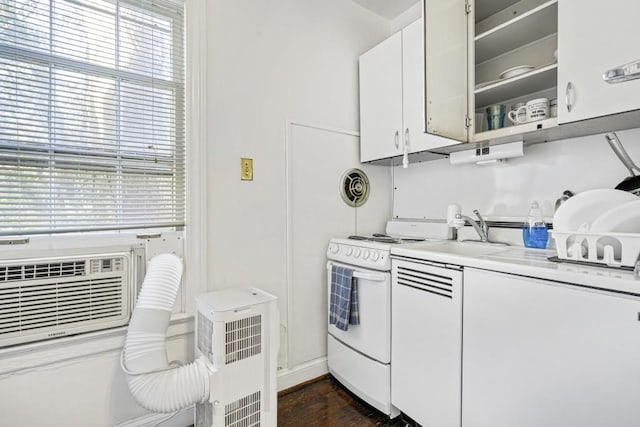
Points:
(183, 418)
(302, 373)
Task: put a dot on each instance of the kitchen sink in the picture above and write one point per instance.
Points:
(464, 248)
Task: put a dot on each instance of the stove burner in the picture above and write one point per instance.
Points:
(384, 238)
(358, 238)
(380, 238)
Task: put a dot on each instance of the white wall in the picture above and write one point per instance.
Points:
(316, 213)
(81, 384)
(424, 190)
(406, 17)
(269, 62)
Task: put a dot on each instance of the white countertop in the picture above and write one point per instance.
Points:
(520, 261)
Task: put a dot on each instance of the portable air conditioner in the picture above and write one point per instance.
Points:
(43, 298)
(237, 333)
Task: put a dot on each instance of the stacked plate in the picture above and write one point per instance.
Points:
(516, 71)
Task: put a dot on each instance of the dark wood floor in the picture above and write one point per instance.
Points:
(326, 403)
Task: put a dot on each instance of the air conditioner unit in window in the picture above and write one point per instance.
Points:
(44, 298)
(237, 334)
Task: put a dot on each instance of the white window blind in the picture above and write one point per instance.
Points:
(92, 124)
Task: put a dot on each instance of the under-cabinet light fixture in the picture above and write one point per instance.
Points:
(483, 155)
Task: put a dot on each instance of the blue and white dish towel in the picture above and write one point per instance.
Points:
(343, 306)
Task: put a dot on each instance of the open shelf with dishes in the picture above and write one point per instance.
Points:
(515, 54)
(535, 80)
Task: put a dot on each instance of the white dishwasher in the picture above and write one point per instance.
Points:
(426, 341)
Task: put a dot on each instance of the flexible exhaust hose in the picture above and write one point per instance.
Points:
(153, 383)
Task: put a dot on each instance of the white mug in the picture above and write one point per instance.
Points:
(536, 109)
(518, 113)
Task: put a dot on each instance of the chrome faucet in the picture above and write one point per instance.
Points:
(483, 225)
(482, 229)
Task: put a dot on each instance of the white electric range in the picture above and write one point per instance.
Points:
(360, 357)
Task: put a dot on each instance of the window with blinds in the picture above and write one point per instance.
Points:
(92, 122)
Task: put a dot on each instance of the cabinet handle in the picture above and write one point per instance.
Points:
(405, 149)
(396, 139)
(623, 73)
(567, 96)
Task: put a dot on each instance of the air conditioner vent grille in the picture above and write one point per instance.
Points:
(243, 338)
(205, 336)
(36, 306)
(46, 270)
(243, 412)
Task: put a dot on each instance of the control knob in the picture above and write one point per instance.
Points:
(375, 255)
(365, 254)
(334, 248)
(357, 252)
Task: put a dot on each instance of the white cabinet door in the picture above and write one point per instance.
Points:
(426, 327)
(381, 100)
(594, 37)
(446, 42)
(414, 130)
(539, 353)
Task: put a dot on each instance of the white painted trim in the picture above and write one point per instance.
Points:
(288, 236)
(289, 220)
(305, 372)
(322, 127)
(196, 116)
(73, 349)
(184, 417)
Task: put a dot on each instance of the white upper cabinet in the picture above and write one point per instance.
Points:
(513, 63)
(446, 50)
(514, 51)
(413, 93)
(381, 100)
(595, 37)
(392, 118)
(488, 53)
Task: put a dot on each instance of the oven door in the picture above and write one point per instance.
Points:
(372, 337)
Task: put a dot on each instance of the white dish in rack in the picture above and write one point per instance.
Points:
(515, 71)
(580, 211)
(624, 218)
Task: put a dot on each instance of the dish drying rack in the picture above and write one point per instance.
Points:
(610, 249)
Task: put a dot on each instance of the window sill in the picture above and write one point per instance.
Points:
(33, 355)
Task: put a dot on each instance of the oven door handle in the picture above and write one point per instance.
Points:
(368, 276)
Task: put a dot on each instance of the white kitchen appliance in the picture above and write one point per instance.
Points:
(552, 353)
(232, 380)
(360, 357)
(237, 333)
(426, 338)
(70, 293)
